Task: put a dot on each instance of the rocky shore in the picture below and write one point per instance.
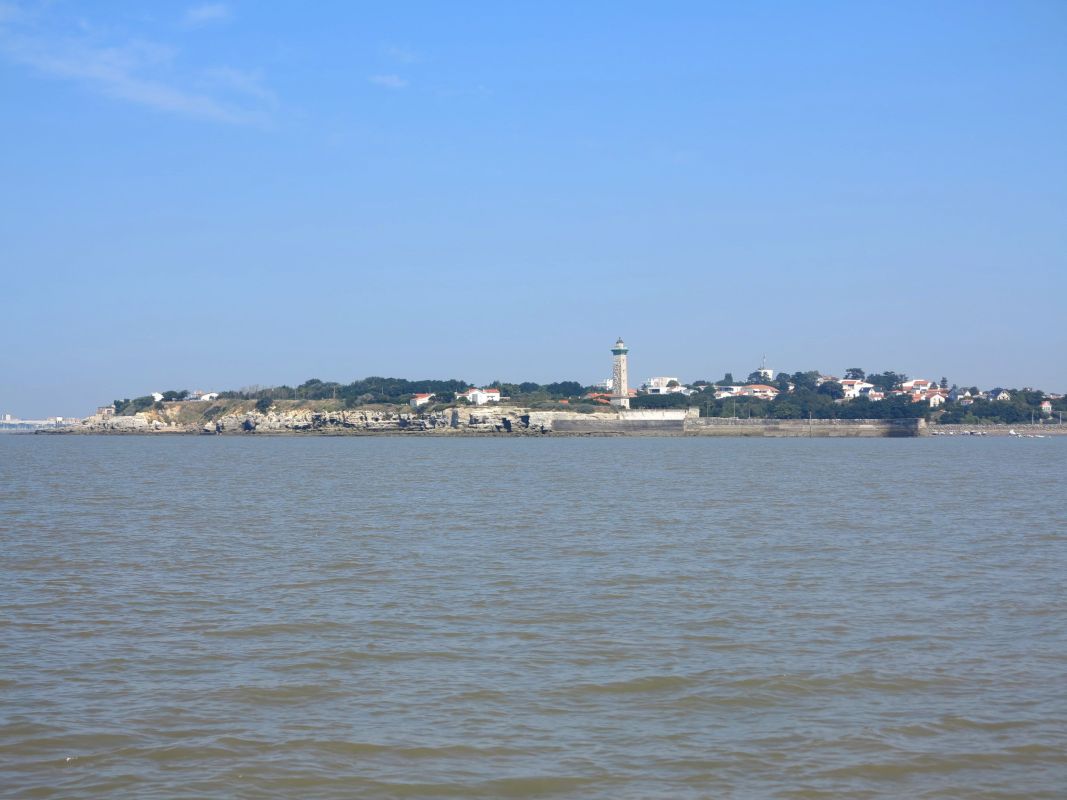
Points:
(235, 417)
(482, 420)
(1050, 429)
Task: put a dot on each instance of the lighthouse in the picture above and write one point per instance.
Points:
(620, 387)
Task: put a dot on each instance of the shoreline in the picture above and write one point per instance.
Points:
(242, 419)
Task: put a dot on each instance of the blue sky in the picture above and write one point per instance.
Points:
(223, 194)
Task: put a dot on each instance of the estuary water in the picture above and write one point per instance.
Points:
(522, 617)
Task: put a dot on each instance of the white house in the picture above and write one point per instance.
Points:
(663, 386)
(760, 390)
(1046, 408)
(420, 400)
(1000, 394)
(854, 388)
(157, 396)
(918, 385)
(479, 397)
(208, 397)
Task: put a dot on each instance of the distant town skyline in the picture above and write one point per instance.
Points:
(208, 197)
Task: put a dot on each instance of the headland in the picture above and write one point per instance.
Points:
(242, 418)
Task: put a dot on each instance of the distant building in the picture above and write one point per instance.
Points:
(854, 388)
(1046, 408)
(157, 396)
(1000, 394)
(663, 386)
(105, 411)
(598, 397)
(207, 397)
(418, 400)
(479, 397)
(765, 372)
(759, 390)
(918, 385)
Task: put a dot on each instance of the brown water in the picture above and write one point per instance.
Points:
(601, 618)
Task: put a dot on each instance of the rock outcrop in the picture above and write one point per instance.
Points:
(480, 420)
(240, 418)
(138, 423)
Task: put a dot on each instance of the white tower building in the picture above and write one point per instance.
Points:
(764, 371)
(620, 388)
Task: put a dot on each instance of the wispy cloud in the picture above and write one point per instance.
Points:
(206, 14)
(240, 82)
(401, 54)
(145, 73)
(388, 81)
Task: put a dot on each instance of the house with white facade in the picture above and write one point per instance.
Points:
(759, 390)
(663, 386)
(918, 385)
(479, 397)
(418, 400)
(854, 388)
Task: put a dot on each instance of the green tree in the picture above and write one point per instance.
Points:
(564, 389)
(888, 380)
(833, 389)
(855, 374)
(805, 380)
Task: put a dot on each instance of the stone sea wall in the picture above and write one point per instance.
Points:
(716, 426)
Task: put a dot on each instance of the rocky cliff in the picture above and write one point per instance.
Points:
(239, 420)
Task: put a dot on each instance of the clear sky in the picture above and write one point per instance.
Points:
(208, 196)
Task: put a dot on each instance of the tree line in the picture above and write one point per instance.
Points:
(378, 390)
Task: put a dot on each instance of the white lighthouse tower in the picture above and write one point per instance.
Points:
(620, 385)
